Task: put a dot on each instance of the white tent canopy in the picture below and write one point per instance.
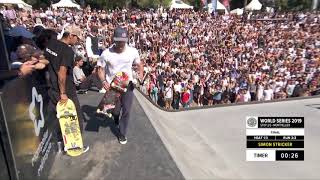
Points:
(220, 6)
(237, 11)
(66, 3)
(178, 4)
(19, 3)
(254, 5)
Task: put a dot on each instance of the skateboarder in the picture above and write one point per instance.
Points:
(61, 58)
(120, 57)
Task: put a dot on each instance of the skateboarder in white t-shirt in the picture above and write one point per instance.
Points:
(119, 58)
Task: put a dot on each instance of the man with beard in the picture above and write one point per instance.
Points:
(61, 85)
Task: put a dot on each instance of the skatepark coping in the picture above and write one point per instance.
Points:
(223, 105)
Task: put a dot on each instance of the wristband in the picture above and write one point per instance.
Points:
(104, 81)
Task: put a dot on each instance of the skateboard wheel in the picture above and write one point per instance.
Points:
(112, 84)
(124, 90)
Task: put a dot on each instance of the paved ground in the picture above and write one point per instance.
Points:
(211, 143)
(204, 144)
(143, 157)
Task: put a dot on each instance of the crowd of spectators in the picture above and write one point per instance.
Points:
(196, 58)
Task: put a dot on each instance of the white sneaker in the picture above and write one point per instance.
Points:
(122, 139)
(85, 149)
(102, 91)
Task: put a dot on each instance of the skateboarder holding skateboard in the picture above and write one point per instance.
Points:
(61, 58)
(119, 58)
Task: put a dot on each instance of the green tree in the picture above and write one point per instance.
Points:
(39, 3)
(293, 4)
(153, 3)
(281, 4)
(299, 4)
(236, 4)
(112, 4)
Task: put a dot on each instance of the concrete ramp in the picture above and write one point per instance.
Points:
(211, 143)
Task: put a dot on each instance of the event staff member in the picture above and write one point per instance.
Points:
(92, 43)
(119, 58)
(61, 85)
(92, 49)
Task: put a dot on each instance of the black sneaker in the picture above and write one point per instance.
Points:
(122, 139)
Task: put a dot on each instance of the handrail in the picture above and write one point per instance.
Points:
(224, 105)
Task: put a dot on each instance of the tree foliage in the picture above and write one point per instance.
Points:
(111, 4)
(278, 4)
(153, 3)
(39, 3)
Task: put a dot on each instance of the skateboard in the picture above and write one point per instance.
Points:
(70, 129)
(118, 86)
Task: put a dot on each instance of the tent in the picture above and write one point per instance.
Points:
(254, 5)
(220, 6)
(178, 4)
(269, 9)
(19, 3)
(237, 11)
(66, 3)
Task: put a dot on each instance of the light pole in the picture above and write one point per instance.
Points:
(245, 4)
(314, 4)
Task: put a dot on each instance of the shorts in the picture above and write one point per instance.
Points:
(167, 99)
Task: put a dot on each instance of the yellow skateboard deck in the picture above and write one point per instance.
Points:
(70, 129)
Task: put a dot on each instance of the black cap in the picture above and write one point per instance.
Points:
(120, 34)
(37, 30)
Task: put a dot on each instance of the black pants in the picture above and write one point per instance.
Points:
(54, 98)
(253, 96)
(124, 106)
(91, 80)
(87, 68)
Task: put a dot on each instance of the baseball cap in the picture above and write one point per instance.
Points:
(120, 34)
(20, 31)
(25, 51)
(37, 29)
(74, 30)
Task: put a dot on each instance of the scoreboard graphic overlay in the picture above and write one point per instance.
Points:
(275, 138)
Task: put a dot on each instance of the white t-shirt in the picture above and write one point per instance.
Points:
(168, 92)
(268, 94)
(114, 62)
(279, 83)
(177, 88)
(247, 97)
(77, 75)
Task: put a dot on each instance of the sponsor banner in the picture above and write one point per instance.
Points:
(28, 127)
